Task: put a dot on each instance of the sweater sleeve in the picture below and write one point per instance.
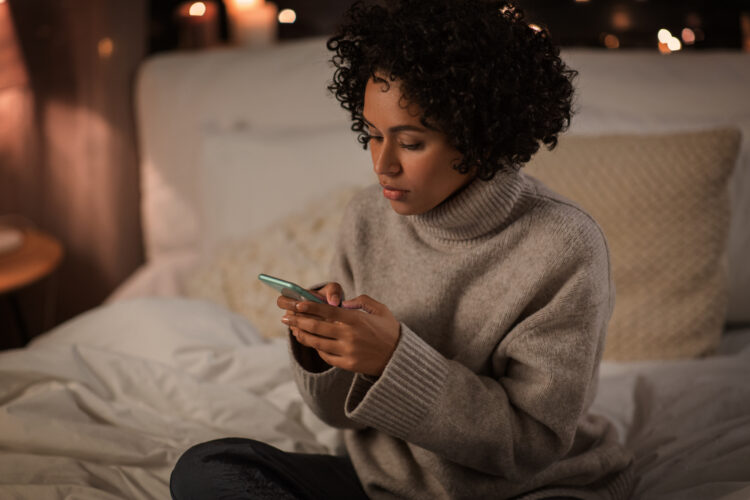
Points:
(523, 418)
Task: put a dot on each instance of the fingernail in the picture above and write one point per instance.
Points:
(334, 301)
(285, 320)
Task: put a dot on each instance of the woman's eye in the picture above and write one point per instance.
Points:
(376, 138)
(411, 147)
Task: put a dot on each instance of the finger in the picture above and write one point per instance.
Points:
(320, 344)
(332, 293)
(286, 303)
(289, 305)
(331, 359)
(365, 303)
(313, 325)
(325, 311)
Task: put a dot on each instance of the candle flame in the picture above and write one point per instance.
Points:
(197, 9)
(248, 3)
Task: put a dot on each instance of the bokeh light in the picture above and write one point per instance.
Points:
(197, 9)
(688, 36)
(105, 47)
(287, 16)
(611, 41)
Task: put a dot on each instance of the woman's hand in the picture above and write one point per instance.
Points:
(360, 336)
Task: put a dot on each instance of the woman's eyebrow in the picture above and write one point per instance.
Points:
(396, 128)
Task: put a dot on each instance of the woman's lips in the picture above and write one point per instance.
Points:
(394, 194)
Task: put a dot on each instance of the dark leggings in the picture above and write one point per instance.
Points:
(235, 468)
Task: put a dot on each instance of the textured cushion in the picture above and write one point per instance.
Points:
(299, 247)
(663, 203)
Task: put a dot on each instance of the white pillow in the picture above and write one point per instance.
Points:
(248, 180)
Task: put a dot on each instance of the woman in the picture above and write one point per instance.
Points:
(465, 361)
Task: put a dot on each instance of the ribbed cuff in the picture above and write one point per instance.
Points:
(398, 401)
(313, 383)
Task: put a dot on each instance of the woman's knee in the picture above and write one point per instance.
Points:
(228, 467)
(192, 475)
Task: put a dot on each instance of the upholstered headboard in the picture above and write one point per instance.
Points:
(231, 139)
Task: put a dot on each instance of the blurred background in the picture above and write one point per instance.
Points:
(68, 143)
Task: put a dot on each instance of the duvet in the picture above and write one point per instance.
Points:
(102, 406)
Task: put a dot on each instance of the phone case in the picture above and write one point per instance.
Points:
(288, 289)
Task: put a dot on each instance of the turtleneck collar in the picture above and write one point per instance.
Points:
(478, 209)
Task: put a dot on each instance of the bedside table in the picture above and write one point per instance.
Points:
(36, 258)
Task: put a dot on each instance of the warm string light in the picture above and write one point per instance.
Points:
(611, 41)
(287, 16)
(621, 20)
(688, 36)
(674, 44)
(667, 42)
(106, 47)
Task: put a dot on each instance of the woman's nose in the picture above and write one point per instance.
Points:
(385, 162)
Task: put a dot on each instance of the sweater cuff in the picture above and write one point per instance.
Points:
(313, 383)
(411, 383)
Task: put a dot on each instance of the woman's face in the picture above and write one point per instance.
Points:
(413, 163)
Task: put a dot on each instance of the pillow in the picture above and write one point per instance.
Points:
(298, 247)
(248, 178)
(662, 201)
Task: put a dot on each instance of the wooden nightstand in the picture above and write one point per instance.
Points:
(37, 258)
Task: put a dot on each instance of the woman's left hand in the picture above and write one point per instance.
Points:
(360, 336)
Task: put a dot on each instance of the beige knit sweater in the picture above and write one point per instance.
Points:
(503, 293)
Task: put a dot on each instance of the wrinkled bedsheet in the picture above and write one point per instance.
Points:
(102, 406)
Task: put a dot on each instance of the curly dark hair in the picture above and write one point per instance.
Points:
(495, 85)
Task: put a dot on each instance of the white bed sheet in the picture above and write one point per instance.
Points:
(102, 406)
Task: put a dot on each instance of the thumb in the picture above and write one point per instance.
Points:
(365, 303)
(334, 293)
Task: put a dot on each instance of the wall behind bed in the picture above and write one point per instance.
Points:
(68, 162)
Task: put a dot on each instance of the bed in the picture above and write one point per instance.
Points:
(246, 165)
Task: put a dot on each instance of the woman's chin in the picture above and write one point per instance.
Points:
(402, 208)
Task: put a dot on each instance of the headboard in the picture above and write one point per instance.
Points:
(259, 126)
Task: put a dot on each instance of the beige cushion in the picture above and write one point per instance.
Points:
(663, 203)
(298, 247)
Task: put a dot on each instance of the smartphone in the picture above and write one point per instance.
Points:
(289, 289)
